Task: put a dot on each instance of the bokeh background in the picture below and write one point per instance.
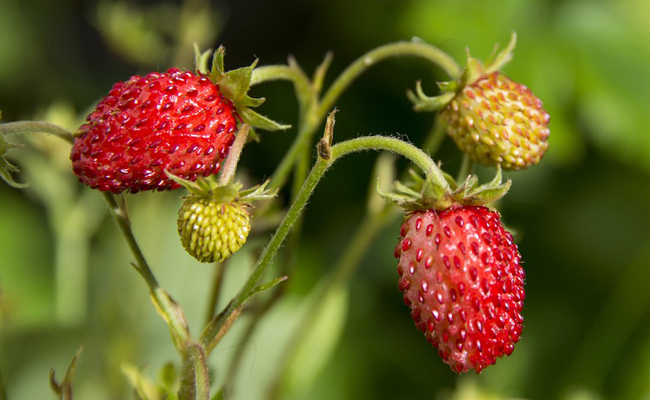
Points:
(581, 216)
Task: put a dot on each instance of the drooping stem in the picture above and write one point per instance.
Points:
(313, 119)
(417, 156)
(168, 309)
(366, 231)
(25, 127)
(417, 49)
(292, 73)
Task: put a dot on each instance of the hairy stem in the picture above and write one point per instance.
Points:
(163, 303)
(417, 49)
(315, 116)
(24, 127)
(195, 377)
(417, 156)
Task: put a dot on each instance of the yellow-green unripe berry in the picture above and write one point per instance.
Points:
(211, 230)
(497, 121)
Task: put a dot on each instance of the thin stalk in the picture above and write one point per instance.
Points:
(302, 141)
(230, 166)
(466, 168)
(217, 283)
(339, 150)
(24, 127)
(305, 92)
(360, 65)
(164, 304)
(308, 128)
(346, 264)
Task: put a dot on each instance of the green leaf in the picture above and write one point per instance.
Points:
(422, 102)
(201, 59)
(259, 121)
(144, 388)
(318, 343)
(503, 57)
(266, 286)
(239, 81)
(64, 389)
(217, 63)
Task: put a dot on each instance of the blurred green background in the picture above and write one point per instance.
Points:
(581, 216)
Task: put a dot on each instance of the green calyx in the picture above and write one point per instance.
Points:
(229, 193)
(234, 85)
(474, 70)
(426, 193)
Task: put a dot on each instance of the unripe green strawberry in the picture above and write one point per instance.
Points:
(497, 121)
(211, 230)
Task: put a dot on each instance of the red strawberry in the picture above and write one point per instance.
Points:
(173, 121)
(460, 274)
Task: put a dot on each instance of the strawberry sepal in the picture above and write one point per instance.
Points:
(235, 85)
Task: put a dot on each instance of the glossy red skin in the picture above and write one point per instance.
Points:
(461, 276)
(175, 121)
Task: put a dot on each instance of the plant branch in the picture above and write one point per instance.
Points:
(360, 65)
(340, 150)
(230, 167)
(165, 305)
(314, 117)
(195, 376)
(25, 127)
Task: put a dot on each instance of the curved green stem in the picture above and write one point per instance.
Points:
(164, 304)
(417, 156)
(418, 49)
(314, 116)
(24, 127)
(292, 73)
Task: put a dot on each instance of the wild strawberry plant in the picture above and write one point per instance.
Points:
(459, 269)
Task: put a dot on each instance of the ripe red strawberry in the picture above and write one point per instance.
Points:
(173, 121)
(460, 274)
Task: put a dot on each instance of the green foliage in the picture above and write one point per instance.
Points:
(581, 212)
